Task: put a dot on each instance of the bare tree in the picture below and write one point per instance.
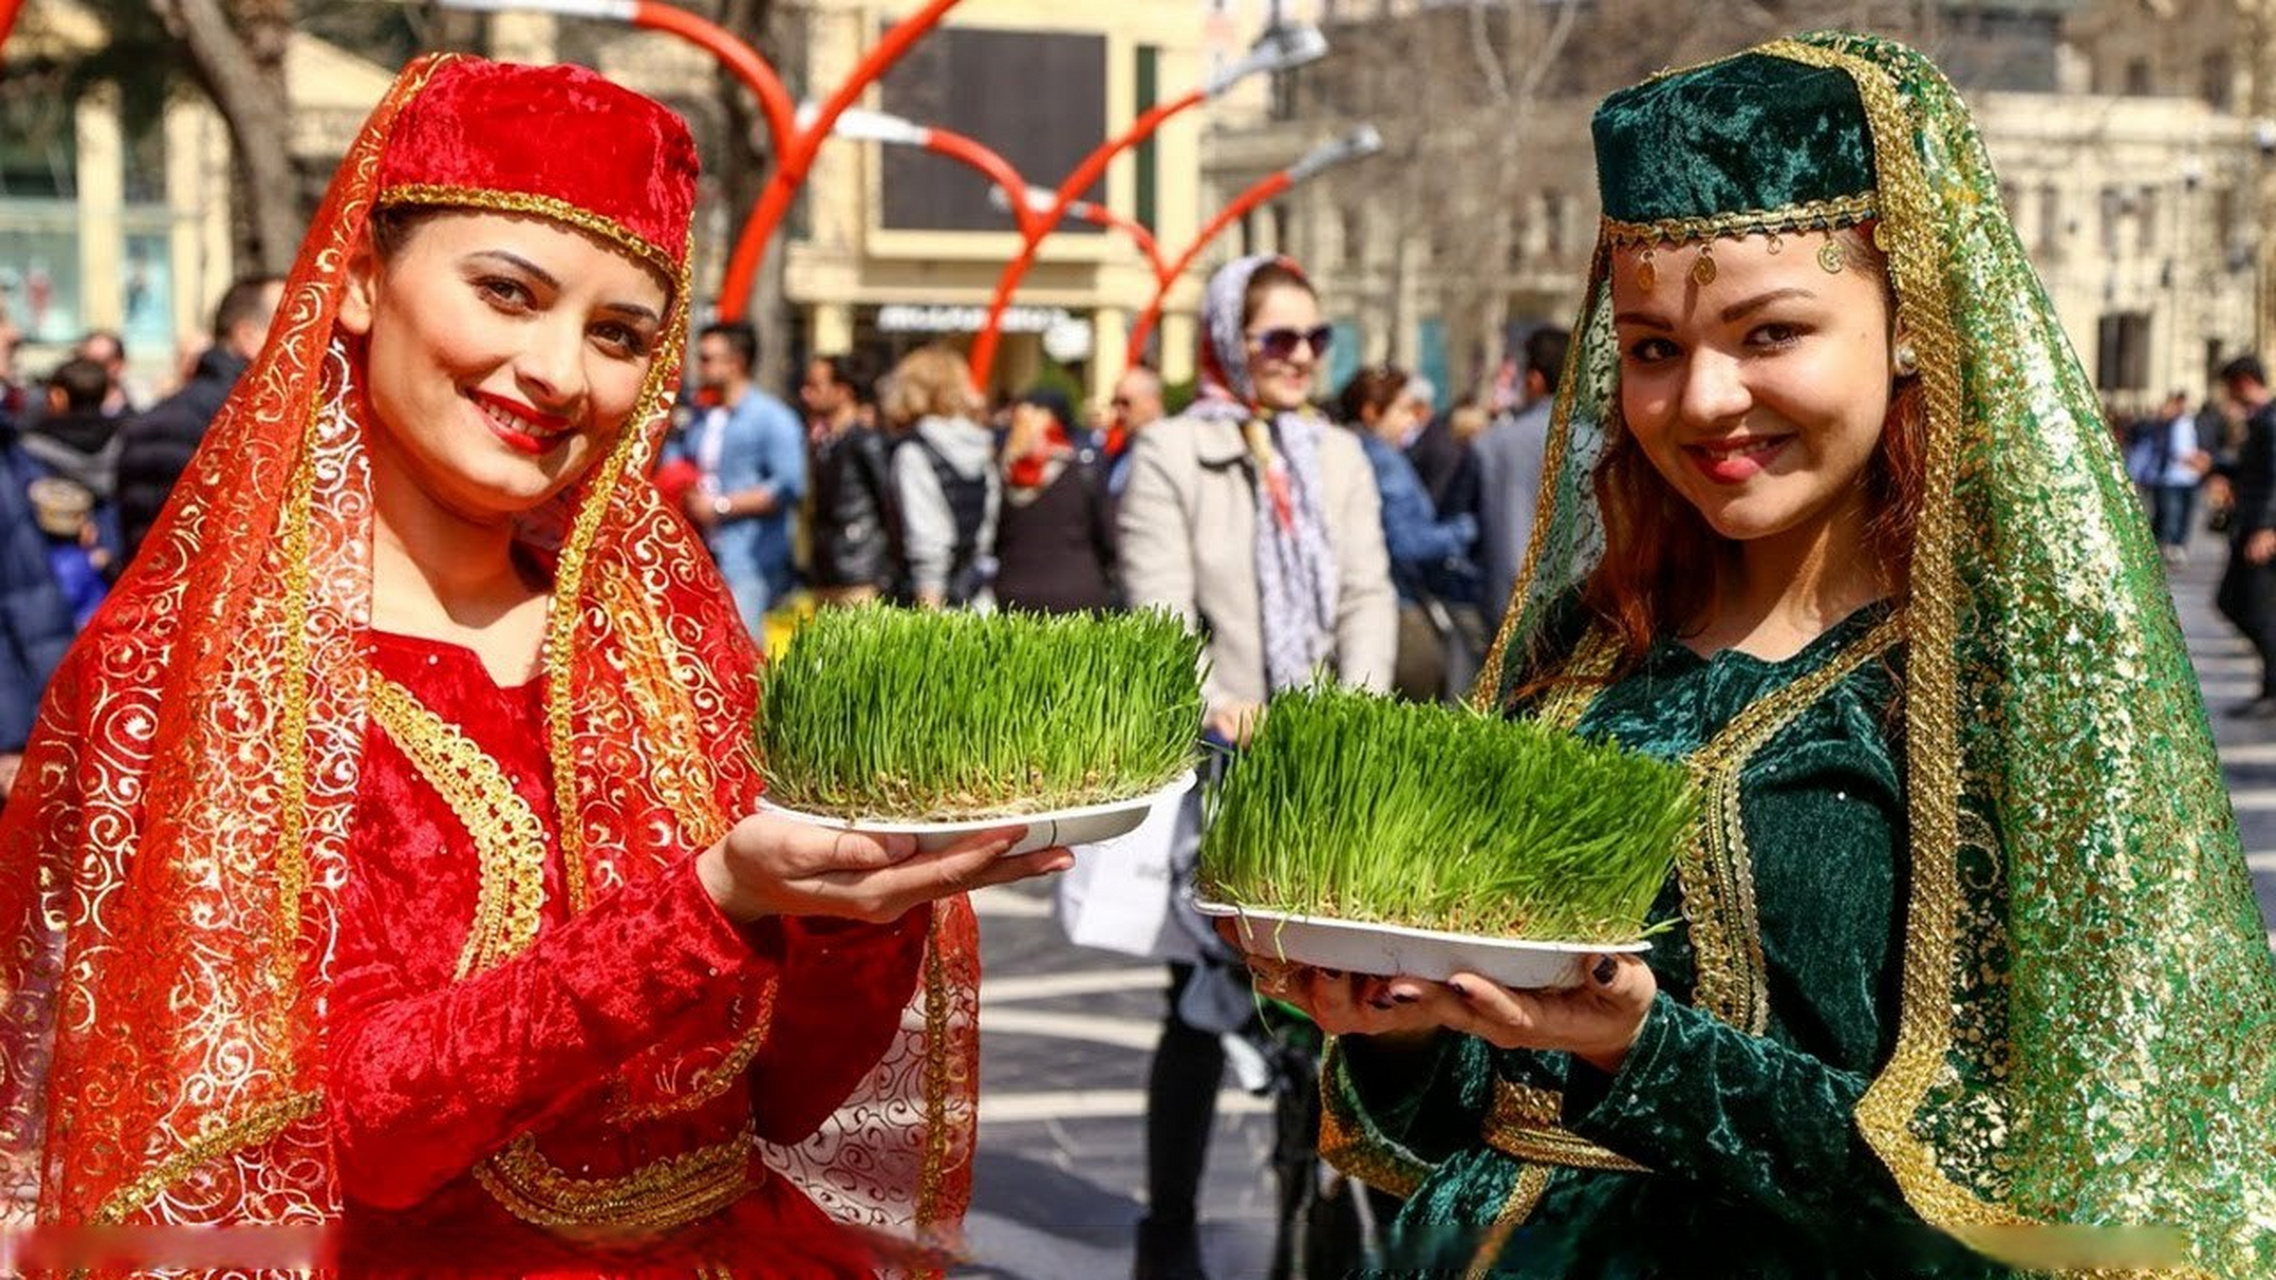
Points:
(236, 52)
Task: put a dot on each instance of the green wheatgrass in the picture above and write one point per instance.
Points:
(936, 716)
(1359, 807)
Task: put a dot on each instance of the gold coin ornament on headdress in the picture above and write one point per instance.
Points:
(1703, 266)
(1647, 275)
(1831, 256)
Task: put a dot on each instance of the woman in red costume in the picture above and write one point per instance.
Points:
(380, 860)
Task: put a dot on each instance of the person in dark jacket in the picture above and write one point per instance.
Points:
(2247, 594)
(1055, 547)
(849, 484)
(35, 622)
(155, 447)
(1442, 460)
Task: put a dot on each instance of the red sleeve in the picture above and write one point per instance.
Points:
(425, 1083)
(843, 987)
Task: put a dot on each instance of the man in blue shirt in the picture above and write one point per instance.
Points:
(751, 454)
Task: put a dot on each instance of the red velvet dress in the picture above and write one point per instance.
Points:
(481, 1123)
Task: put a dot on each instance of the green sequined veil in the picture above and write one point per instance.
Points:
(2088, 1025)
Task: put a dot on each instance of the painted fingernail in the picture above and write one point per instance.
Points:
(1458, 987)
(1381, 1002)
(1604, 970)
(1404, 997)
(1331, 973)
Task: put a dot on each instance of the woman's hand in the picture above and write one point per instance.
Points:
(1596, 1021)
(769, 866)
(1232, 721)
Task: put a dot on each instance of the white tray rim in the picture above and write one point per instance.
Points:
(1228, 911)
(887, 827)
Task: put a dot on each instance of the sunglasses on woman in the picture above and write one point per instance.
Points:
(1279, 344)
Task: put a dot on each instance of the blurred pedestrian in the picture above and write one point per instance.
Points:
(2247, 595)
(1431, 564)
(1257, 521)
(849, 485)
(750, 457)
(1055, 531)
(1448, 469)
(2182, 462)
(76, 443)
(155, 446)
(1135, 406)
(35, 620)
(944, 480)
(1509, 469)
(108, 349)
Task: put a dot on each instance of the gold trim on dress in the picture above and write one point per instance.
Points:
(1524, 1197)
(1830, 214)
(1525, 1123)
(1345, 1144)
(658, 1198)
(509, 841)
(262, 1124)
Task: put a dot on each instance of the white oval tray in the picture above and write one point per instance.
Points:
(1389, 950)
(1089, 824)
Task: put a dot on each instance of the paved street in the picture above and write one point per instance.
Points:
(1067, 1034)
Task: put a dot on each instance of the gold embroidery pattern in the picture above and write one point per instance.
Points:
(523, 202)
(509, 842)
(1524, 1124)
(1345, 1144)
(261, 1125)
(659, 1198)
(1583, 678)
(712, 1081)
(682, 776)
(1715, 869)
(636, 442)
(292, 731)
(1524, 1198)
(1809, 215)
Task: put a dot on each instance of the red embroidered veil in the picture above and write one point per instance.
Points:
(171, 861)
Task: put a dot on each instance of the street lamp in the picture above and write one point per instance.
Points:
(861, 125)
(795, 139)
(1280, 48)
(1359, 144)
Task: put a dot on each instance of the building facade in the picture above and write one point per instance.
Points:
(2133, 142)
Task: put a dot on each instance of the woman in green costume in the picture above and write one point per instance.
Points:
(1963, 962)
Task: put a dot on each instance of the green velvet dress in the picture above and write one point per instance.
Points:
(1725, 1144)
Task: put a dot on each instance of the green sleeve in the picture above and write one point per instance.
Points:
(1389, 1116)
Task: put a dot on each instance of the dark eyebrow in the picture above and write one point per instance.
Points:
(1759, 301)
(545, 278)
(635, 310)
(1640, 318)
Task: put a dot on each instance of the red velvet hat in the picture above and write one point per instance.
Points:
(561, 142)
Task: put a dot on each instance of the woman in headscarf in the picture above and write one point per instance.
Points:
(1254, 518)
(1961, 968)
(381, 858)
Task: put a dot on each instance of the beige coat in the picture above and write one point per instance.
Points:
(1188, 529)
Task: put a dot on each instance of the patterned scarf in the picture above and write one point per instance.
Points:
(1296, 568)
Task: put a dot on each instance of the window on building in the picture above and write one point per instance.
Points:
(1046, 129)
(2050, 219)
(1354, 227)
(1280, 241)
(2145, 219)
(2139, 83)
(2220, 80)
(2113, 210)
(1555, 212)
(2122, 351)
(1146, 154)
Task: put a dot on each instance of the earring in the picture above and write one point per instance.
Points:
(1907, 360)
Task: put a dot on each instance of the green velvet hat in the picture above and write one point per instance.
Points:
(1751, 144)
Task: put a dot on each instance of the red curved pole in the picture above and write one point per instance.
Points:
(1098, 215)
(1265, 188)
(1086, 173)
(795, 151)
(999, 170)
(725, 45)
